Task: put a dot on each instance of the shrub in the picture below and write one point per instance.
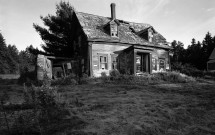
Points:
(69, 80)
(175, 77)
(103, 74)
(114, 73)
(48, 109)
(145, 79)
(187, 69)
(27, 77)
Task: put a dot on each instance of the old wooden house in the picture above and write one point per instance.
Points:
(109, 43)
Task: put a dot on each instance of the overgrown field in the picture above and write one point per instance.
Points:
(124, 109)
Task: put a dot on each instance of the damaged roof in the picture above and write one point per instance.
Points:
(93, 26)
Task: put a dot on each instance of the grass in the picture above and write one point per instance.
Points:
(122, 109)
(9, 76)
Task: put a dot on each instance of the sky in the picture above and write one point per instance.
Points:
(179, 20)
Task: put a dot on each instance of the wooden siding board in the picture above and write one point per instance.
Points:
(130, 55)
(107, 49)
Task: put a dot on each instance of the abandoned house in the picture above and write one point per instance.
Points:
(211, 62)
(109, 43)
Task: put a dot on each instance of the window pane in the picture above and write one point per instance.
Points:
(154, 63)
(161, 64)
(102, 66)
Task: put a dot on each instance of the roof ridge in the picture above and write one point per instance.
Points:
(91, 14)
(116, 19)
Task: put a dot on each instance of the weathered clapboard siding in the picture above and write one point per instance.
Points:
(106, 49)
(126, 59)
(161, 54)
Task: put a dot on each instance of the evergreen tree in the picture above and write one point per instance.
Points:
(59, 37)
(178, 51)
(193, 54)
(4, 67)
(207, 47)
(27, 59)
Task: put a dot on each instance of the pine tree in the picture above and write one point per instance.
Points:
(178, 51)
(4, 67)
(59, 37)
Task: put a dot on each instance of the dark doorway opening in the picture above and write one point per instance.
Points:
(142, 63)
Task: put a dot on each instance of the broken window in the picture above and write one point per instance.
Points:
(114, 61)
(114, 30)
(162, 64)
(154, 64)
(103, 62)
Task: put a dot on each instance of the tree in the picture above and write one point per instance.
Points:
(59, 37)
(208, 45)
(8, 64)
(193, 54)
(4, 67)
(178, 51)
(27, 59)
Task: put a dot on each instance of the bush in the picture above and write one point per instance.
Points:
(103, 74)
(69, 80)
(114, 73)
(145, 79)
(188, 69)
(28, 77)
(174, 77)
(48, 110)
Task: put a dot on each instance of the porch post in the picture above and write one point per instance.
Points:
(150, 63)
(147, 66)
(134, 62)
(90, 60)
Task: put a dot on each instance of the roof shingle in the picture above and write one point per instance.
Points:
(93, 27)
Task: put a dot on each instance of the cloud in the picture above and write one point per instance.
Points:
(209, 9)
(156, 6)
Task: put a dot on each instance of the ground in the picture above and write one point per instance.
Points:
(118, 109)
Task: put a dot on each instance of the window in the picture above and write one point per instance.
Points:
(114, 30)
(103, 62)
(162, 64)
(114, 61)
(154, 64)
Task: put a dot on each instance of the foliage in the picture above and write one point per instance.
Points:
(45, 110)
(59, 36)
(197, 54)
(145, 79)
(114, 73)
(8, 57)
(103, 74)
(68, 80)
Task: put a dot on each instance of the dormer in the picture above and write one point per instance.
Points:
(147, 33)
(112, 27)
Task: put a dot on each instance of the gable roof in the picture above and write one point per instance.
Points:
(93, 27)
(212, 56)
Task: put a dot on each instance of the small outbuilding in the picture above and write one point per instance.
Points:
(211, 62)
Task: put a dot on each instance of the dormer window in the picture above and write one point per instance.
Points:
(114, 30)
(147, 34)
(150, 35)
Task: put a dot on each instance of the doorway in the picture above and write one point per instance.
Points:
(142, 62)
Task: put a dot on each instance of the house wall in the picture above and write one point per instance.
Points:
(104, 49)
(126, 59)
(211, 65)
(161, 54)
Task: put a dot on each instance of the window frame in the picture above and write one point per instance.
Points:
(99, 61)
(164, 65)
(114, 56)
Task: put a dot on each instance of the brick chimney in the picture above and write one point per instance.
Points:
(113, 13)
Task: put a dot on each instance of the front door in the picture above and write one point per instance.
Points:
(142, 62)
